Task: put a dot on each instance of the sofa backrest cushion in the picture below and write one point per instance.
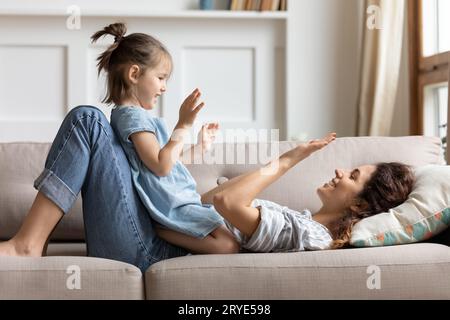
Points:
(21, 163)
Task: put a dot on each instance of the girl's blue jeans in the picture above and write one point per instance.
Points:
(86, 156)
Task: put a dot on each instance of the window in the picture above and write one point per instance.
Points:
(435, 27)
(435, 111)
(429, 51)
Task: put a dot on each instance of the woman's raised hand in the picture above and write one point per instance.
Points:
(304, 150)
(318, 144)
(189, 110)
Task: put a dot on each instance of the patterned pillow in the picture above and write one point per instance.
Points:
(424, 214)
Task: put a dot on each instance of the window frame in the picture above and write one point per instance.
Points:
(424, 71)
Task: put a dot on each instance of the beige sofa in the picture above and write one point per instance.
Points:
(408, 271)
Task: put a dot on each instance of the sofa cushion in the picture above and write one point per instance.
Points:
(21, 163)
(58, 278)
(423, 215)
(67, 249)
(326, 274)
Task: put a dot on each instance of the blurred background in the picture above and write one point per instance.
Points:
(301, 67)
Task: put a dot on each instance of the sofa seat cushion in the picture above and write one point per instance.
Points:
(412, 271)
(67, 249)
(69, 278)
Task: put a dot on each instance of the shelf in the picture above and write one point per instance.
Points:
(136, 12)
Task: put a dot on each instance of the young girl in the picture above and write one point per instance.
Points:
(138, 67)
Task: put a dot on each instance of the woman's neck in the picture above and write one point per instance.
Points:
(328, 217)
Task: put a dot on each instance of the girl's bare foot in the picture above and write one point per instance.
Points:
(13, 248)
(33, 235)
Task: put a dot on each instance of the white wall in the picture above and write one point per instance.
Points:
(323, 72)
(323, 44)
(323, 69)
(237, 60)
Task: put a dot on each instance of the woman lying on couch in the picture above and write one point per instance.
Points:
(86, 156)
(264, 226)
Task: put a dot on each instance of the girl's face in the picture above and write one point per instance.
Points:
(152, 84)
(340, 192)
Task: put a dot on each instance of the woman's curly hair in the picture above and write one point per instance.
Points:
(388, 187)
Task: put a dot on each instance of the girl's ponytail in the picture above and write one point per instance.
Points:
(117, 30)
(137, 48)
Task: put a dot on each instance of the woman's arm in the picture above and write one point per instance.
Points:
(219, 241)
(208, 197)
(233, 202)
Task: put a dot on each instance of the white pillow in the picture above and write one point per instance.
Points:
(424, 214)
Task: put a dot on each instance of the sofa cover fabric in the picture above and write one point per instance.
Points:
(413, 271)
(69, 278)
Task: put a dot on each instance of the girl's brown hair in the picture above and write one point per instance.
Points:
(388, 187)
(136, 48)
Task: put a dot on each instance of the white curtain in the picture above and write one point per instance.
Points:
(380, 65)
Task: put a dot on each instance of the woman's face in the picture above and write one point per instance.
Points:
(338, 194)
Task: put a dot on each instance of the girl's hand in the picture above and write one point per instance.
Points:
(189, 110)
(207, 135)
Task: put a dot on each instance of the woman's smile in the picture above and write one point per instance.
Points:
(331, 184)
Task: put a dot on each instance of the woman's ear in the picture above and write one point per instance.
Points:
(133, 73)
